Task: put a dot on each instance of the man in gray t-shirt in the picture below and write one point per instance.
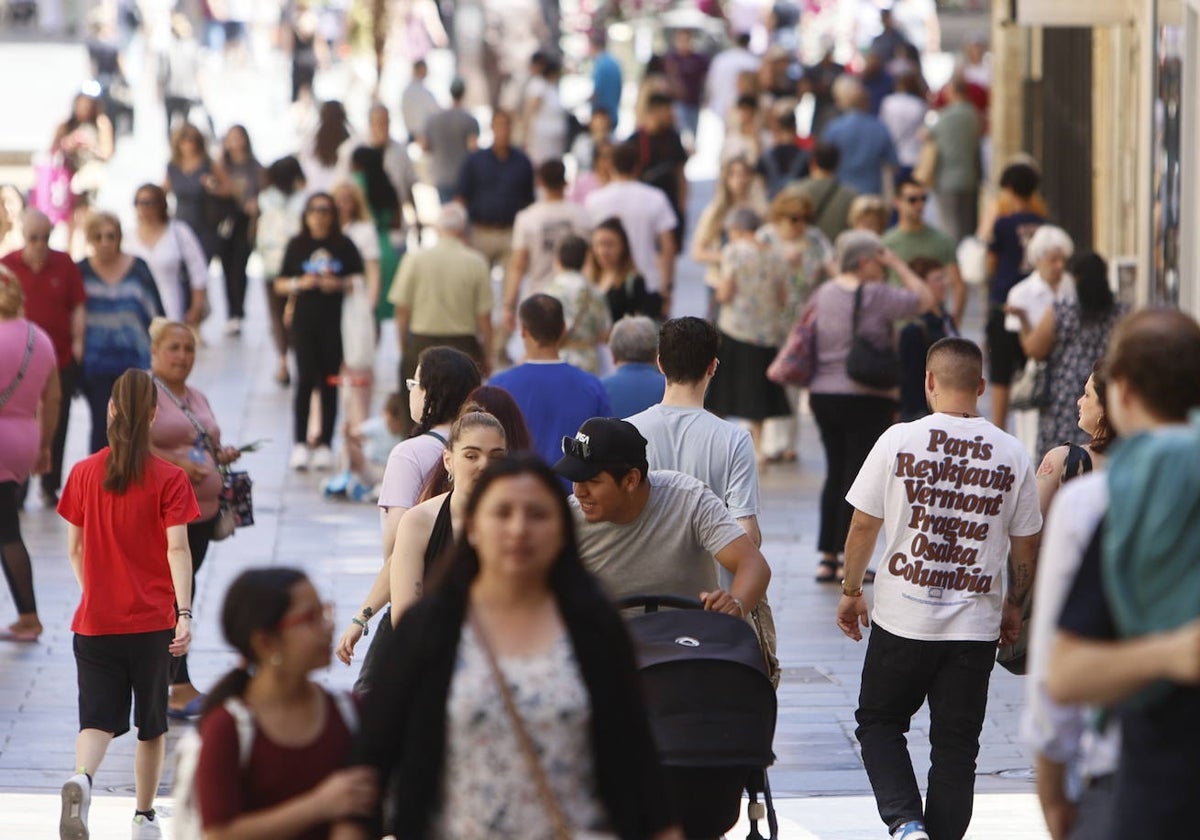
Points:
(655, 533)
(449, 136)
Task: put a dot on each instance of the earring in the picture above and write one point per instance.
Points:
(449, 478)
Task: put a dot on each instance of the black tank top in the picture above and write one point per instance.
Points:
(441, 537)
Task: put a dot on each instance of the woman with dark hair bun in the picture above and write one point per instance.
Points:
(294, 782)
(127, 512)
(513, 607)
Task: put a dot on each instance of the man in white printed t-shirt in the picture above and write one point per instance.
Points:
(953, 493)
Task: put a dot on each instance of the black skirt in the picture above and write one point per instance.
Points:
(741, 388)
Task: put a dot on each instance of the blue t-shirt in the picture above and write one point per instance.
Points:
(865, 147)
(118, 319)
(1010, 235)
(633, 388)
(606, 85)
(555, 399)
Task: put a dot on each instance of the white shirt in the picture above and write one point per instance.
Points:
(176, 247)
(417, 105)
(1034, 295)
(645, 213)
(950, 491)
(904, 114)
(1062, 732)
(723, 74)
(537, 230)
(548, 129)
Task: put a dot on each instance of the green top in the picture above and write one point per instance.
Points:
(957, 133)
(926, 242)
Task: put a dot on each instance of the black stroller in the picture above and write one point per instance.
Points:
(712, 710)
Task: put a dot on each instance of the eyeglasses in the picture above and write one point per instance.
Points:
(915, 199)
(577, 448)
(412, 384)
(315, 614)
(323, 209)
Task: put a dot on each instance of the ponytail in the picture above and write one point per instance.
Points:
(133, 401)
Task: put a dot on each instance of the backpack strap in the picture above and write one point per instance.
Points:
(244, 722)
(1079, 461)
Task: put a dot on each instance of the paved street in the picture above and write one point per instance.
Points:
(821, 788)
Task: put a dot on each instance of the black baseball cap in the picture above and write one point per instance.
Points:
(601, 442)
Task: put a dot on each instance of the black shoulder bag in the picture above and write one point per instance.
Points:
(867, 364)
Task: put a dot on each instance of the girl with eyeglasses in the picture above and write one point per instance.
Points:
(319, 265)
(294, 782)
(122, 300)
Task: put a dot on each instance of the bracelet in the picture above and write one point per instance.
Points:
(852, 593)
(360, 623)
(183, 613)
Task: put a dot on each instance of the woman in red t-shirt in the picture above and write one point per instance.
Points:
(127, 540)
(294, 782)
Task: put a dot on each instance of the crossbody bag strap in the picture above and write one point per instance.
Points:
(858, 293)
(187, 412)
(23, 369)
(562, 829)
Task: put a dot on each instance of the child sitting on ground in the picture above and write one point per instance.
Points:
(366, 452)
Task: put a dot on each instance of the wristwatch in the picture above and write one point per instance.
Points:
(852, 593)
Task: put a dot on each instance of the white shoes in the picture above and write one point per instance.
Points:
(233, 326)
(76, 798)
(300, 458)
(322, 459)
(146, 828)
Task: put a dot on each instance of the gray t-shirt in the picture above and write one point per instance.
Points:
(447, 133)
(700, 444)
(668, 549)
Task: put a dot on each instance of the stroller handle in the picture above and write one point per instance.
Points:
(651, 603)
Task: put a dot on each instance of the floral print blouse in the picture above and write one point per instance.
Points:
(588, 318)
(759, 275)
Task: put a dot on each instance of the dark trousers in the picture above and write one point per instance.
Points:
(276, 305)
(849, 425)
(177, 106)
(235, 253)
(68, 381)
(317, 339)
(413, 346)
(97, 388)
(899, 675)
(199, 536)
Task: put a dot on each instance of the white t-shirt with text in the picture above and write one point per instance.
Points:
(950, 491)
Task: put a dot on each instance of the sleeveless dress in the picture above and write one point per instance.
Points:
(440, 538)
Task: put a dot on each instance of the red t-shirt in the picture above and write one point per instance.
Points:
(225, 790)
(126, 578)
(50, 296)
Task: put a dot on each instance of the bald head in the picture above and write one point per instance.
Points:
(36, 222)
(956, 365)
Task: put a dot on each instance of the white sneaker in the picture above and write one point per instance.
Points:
(322, 459)
(76, 798)
(912, 830)
(233, 326)
(146, 828)
(299, 459)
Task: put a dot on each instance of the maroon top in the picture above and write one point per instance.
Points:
(274, 774)
(50, 296)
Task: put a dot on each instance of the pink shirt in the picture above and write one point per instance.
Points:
(174, 435)
(20, 435)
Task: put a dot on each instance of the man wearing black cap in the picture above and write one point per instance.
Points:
(655, 533)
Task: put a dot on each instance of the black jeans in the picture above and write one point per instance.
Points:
(235, 253)
(97, 389)
(317, 340)
(898, 676)
(849, 425)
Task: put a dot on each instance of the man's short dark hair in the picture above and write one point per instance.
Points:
(908, 181)
(747, 100)
(542, 317)
(552, 175)
(1020, 179)
(956, 363)
(686, 348)
(742, 39)
(785, 120)
(660, 100)
(625, 158)
(826, 156)
(571, 252)
(1156, 354)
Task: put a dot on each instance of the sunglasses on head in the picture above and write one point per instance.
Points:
(577, 448)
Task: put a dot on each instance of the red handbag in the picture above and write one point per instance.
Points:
(796, 361)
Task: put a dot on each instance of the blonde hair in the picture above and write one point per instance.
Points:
(99, 219)
(866, 208)
(159, 327)
(362, 212)
(724, 201)
(791, 204)
(12, 296)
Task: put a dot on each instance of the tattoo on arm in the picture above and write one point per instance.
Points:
(1020, 577)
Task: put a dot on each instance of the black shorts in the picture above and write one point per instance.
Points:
(114, 669)
(1005, 357)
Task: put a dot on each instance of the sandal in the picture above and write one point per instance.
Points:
(827, 571)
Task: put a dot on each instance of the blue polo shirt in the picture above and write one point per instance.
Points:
(496, 190)
(865, 147)
(606, 85)
(634, 387)
(555, 398)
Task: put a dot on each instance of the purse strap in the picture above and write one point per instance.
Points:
(23, 369)
(192, 418)
(858, 294)
(562, 830)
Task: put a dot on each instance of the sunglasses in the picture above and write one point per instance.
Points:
(915, 199)
(316, 614)
(577, 448)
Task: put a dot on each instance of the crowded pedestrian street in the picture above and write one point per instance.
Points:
(359, 361)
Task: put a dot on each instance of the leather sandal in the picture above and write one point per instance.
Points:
(827, 571)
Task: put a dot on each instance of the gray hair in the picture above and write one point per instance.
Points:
(452, 218)
(855, 245)
(743, 219)
(1048, 238)
(634, 339)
